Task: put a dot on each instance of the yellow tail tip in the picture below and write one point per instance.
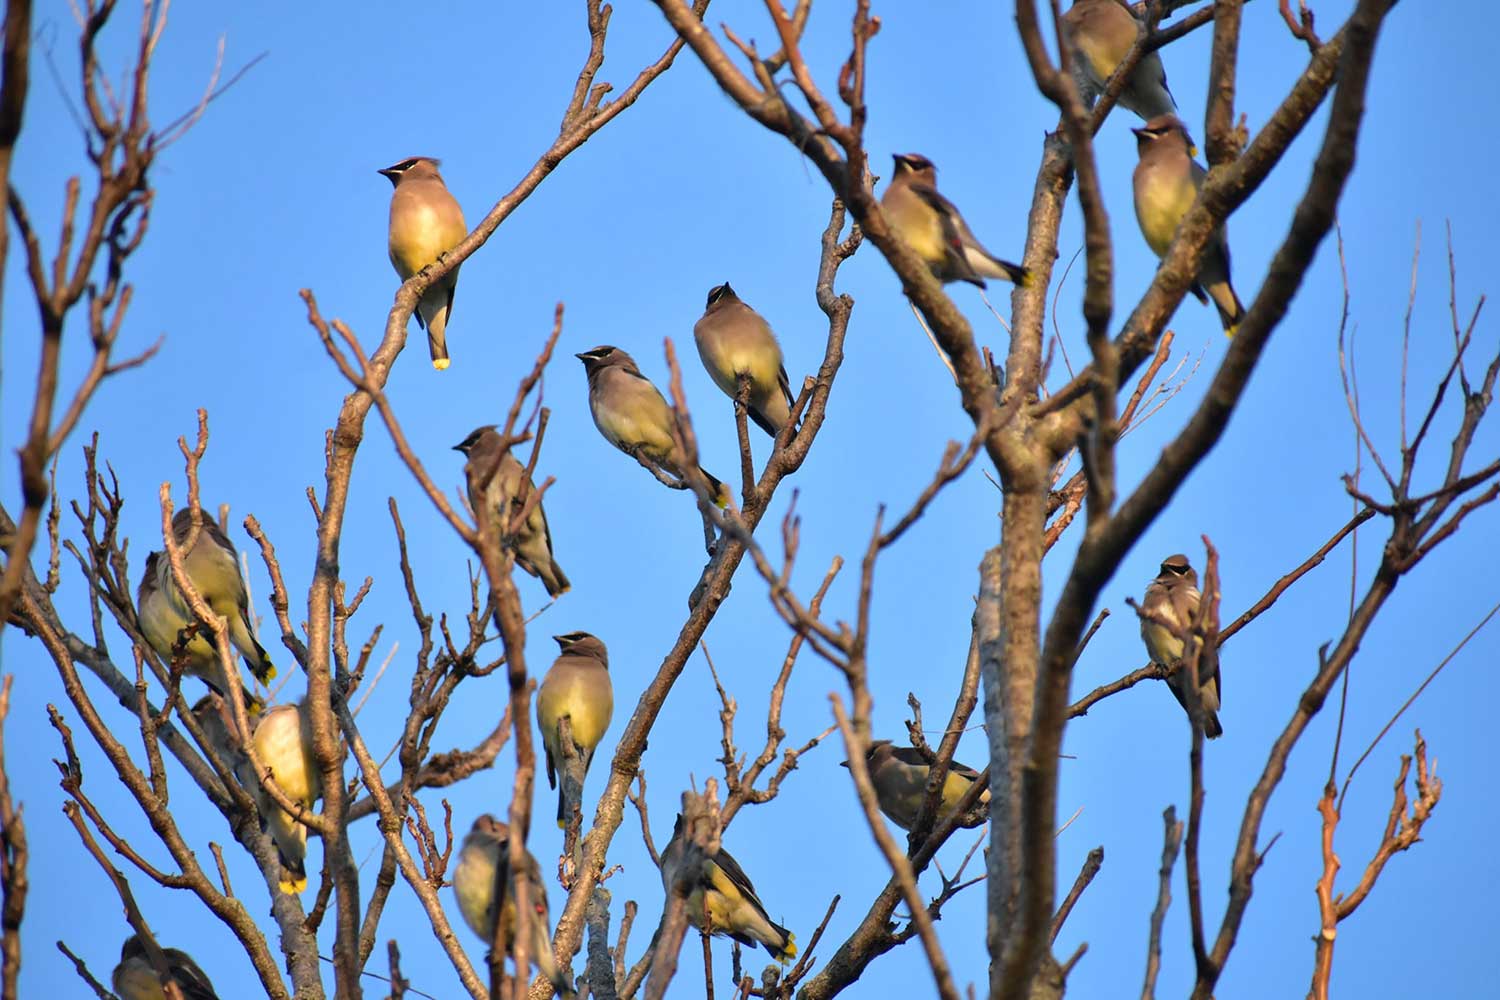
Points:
(293, 886)
(1028, 280)
(440, 364)
(1229, 330)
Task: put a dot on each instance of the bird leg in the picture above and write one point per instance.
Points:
(662, 476)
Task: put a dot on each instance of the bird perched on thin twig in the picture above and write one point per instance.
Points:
(212, 566)
(1100, 35)
(1166, 614)
(733, 341)
(283, 742)
(576, 686)
(723, 900)
(135, 979)
(500, 498)
(932, 226)
(426, 223)
(899, 775)
(633, 415)
(1167, 181)
(486, 848)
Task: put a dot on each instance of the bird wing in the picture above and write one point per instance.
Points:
(725, 862)
(954, 229)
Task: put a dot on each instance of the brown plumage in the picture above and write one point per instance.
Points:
(1167, 181)
(577, 686)
(135, 979)
(1173, 599)
(499, 499)
(932, 226)
(633, 415)
(734, 340)
(426, 223)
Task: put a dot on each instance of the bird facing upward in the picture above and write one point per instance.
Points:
(734, 340)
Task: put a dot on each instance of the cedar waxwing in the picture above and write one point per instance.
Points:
(931, 226)
(217, 732)
(283, 742)
(486, 846)
(161, 624)
(733, 340)
(1100, 34)
(135, 979)
(213, 567)
(1167, 180)
(577, 686)
(723, 891)
(633, 415)
(899, 775)
(499, 499)
(426, 223)
(1173, 597)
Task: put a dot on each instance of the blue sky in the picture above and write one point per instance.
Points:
(276, 190)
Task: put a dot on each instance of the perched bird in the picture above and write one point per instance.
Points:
(576, 686)
(1100, 34)
(723, 898)
(930, 225)
(899, 775)
(283, 742)
(162, 623)
(217, 732)
(135, 979)
(213, 567)
(1167, 180)
(426, 223)
(632, 414)
(486, 847)
(1173, 598)
(499, 498)
(734, 340)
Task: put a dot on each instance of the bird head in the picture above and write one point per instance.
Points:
(468, 444)
(1163, 130)
(720, 293)
(412, 166)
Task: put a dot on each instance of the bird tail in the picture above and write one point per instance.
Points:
(291, 851)
(437, 326)
(988, 265)
(1211, 727)
(553, 578)
(718, 491)
(255, 654)
(1231, 311)
(787, 950)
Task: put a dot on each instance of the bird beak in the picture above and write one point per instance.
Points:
(1140, 133)
(843, 763)
(387, 172)
(458, 447)
(583, 356)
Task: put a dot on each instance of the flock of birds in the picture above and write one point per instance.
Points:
(741, 353)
